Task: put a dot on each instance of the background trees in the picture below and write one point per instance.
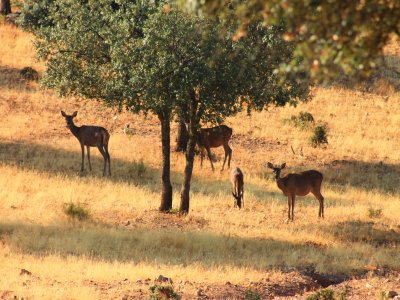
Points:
(5, 7)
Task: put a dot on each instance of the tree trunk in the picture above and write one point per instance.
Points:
(5, 8)
(166, 197)
(190, 149)
(183, 136)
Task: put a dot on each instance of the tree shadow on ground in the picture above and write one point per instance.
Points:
(365, 232)
(56, 161)
(10, 78)
(173, 247)
(368, 176)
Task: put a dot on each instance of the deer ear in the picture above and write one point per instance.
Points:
(283, 166)
(63, 114)
(74, 114)
(269, 165)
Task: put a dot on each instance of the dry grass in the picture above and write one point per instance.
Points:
(127, 238)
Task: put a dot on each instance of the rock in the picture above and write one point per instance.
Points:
(392, 294)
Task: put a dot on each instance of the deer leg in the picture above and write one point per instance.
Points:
(100, 147)
(88, 157)
(227, 153)
(83, 156)
(201, 156)
(230, 156)
(108, 158)
(290, 205)
(293, 200)
(209, 157)
(320, 199)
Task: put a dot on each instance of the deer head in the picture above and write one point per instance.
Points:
(69, 118)
(276, 170)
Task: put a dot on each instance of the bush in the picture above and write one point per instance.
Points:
(76, 211)
(319, 136)
(374, 213)
(302, 121)
(138, 169)
(252, 295)
(329, 294)
(29, 73)
(158, 292)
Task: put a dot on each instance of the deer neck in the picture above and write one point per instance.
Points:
(280, 182)
(74, 129)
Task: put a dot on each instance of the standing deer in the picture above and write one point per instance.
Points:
(90, 136)
(299, 184)
(237, 180)
(212, 138)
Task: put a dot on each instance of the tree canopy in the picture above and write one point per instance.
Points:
(151, 58)
(332, 37)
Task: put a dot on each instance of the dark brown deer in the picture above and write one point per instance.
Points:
(212, 138)
(90, 136)
(299, 184)
(237, 180)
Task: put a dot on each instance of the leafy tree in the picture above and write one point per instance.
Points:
(150, 58)
(333, 36)
(210, 75)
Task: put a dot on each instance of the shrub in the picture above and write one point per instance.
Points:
(76, 211)
(323, 294)
(374, 213)
(158, 292)
(138, 169)
(319, 136)
(29, 73)
(252, 295)
(302, 121)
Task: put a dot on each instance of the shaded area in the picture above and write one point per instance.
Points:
(181, 248)
(10, 78)
(63, 162)
(375, 234)
(368, 176)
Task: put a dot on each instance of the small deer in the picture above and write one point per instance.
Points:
(212, 138)
(237, 180)
(90, 136)
(299, 184)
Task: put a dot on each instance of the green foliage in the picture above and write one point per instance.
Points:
(158, 292)
(252, 295)
(76, 211)
(138, 169)
(329, 294)
(331, 43)
(319, 136)
(35, 14)
(374, 213)
(302, 121)
(29, 73)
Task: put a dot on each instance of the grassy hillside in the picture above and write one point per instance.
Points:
(125, 238)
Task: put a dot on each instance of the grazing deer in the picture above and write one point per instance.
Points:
(212, 138)
(299, 184)
(237, 184)
(90, 136)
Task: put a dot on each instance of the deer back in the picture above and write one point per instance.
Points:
(300, 183)
(93, 135)
(215, 136)
(237, 181)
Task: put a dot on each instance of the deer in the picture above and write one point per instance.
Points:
(237, 180)
(90, 136)
(299, 184)
(212, 138)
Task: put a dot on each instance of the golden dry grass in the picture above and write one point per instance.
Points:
(127, 238)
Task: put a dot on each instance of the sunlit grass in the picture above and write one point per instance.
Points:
(126, 237)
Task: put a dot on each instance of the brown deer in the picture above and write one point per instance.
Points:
(237, 180)
(90, 136)
(212, 138)
(299, 184)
